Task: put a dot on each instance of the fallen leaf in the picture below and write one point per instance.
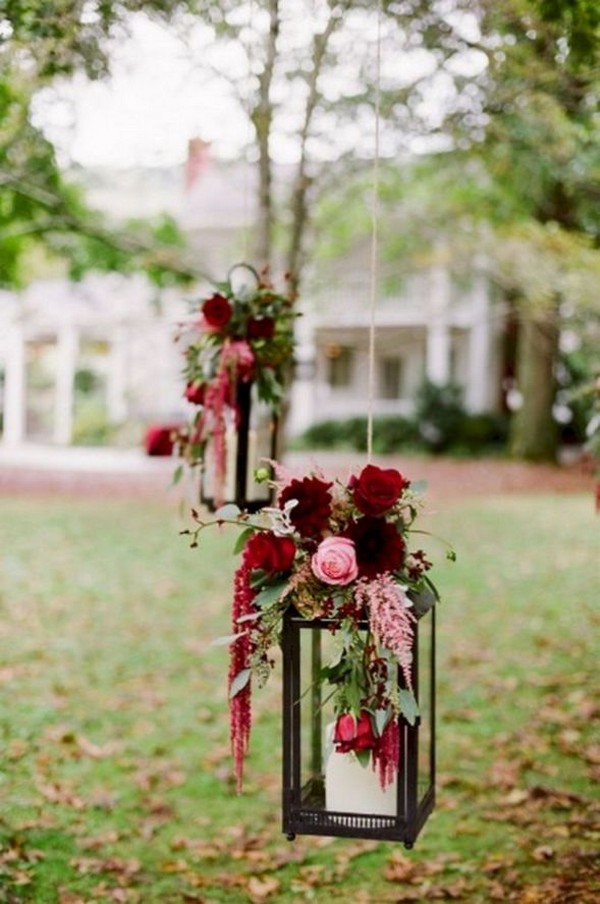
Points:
(542, 853)
(399, 868)
(262, 889)
(97, 751)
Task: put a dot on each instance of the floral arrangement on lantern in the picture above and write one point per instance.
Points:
(338, 552)
(241, 333)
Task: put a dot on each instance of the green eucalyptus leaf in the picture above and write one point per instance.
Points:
(408, 706)
(270, 594)
(242, 540)
(363, 757)
(239, 682)
(381, 720)
(422, 599)
(228, 512)
(252, 616)
(226, 639)
(258, 578)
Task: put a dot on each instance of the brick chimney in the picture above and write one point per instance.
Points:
(198, 158)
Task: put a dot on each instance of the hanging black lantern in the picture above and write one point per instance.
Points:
(327, 791)
(238, 350)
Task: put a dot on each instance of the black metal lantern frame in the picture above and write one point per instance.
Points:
(255, 443)
(307, 761)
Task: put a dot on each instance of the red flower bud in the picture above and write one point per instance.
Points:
(261, 328)
(269, 552)
(354, 734)
(194, 393)
(217, 311)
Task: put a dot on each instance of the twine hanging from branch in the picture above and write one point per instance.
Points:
(374, 283)
(246, 226)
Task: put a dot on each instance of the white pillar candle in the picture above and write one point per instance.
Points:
(351, 787)
(251, 464)
(231, 442)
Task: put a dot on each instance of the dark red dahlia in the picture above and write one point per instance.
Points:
(379, 546)
(261, 328)
(311, 515)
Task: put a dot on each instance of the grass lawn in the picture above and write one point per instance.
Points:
(115, 778)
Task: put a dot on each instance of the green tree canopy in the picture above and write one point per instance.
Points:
(40, 212)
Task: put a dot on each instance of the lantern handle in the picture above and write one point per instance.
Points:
(243, 287)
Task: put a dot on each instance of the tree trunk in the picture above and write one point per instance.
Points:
(534, 433)
(262, 117)
(299, 202)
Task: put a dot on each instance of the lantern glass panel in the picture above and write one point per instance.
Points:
(325, 780)
(261, 448)
(425, 678)
(327, 792)
(316, 714)
(250, 443)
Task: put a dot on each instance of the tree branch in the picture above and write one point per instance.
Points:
(299, 199)
(262, 117)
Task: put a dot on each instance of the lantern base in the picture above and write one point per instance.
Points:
(311, 819)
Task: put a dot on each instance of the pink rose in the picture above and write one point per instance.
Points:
(335, 561)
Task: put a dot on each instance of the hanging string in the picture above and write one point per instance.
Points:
(374, 237)
(249, 136)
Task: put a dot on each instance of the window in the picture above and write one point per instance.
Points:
(391, 378)
(340, 363)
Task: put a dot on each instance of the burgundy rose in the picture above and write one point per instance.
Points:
(311, 514)
(269, 552)
(261, 328)
(354, 734)
(375, 490)
(379, 546)
(194, 393)
(217, 311)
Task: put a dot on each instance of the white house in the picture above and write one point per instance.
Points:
(106, 328)
(112, 326)
(436, 327)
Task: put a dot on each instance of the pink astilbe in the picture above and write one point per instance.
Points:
(390, 619)
(235, 363)
(386, 754)
(216, 398)
(237, 359)
(240, 711)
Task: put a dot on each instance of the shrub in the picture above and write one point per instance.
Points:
(440, 415)
(445, 428)
(480, 432)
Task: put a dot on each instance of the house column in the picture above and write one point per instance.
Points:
(116, 389)
(14, 388)
(480, 348)
(67, 348)
(437, 363)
